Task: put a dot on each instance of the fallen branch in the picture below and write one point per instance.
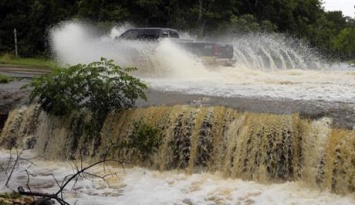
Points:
(13, 167)
(58, 196)
(10, 168)
(45, 196)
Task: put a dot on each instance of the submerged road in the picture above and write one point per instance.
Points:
(343, 114)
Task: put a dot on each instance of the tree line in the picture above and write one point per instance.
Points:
(331, 33)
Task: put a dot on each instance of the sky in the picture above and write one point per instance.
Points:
(346, 6)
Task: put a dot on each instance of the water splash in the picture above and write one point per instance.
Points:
(275, 52)
(74, 42)
(268, 66)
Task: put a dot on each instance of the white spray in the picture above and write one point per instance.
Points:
(272, 66)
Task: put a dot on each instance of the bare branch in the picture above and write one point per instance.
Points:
(44, 195)
(55, 179)
(28, 182)
(79, 171)
(13, 168)
(83, 170)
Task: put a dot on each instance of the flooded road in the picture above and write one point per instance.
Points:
(342, 113)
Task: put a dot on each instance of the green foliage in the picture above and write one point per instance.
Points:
(344, 43)
(10, 198)
(247, 23)
(5, 79)
(144, 138)
(12, 195)
(6, 58)
(28, 62)
(99, 86)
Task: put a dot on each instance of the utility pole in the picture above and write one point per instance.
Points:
(15, 36)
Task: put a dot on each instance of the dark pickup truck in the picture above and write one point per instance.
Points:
(209, 52)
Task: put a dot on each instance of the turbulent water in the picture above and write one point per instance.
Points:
(206, 152)
(267, 66)
(147, 187)
(265, 148)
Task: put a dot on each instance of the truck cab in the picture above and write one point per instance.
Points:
(150, 34)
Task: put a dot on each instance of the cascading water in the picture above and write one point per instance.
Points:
(265, 148)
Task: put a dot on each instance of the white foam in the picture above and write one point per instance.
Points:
(146, 187)
(322, 85)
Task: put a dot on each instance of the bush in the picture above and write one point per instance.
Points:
(145, 139)
(99, 86)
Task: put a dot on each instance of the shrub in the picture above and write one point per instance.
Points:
(99, 86)
(145, 139)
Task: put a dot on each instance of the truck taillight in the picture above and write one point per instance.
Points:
(215, 50)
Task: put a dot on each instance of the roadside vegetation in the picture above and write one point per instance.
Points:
(43, 63)
(99, 87)
(5, 79)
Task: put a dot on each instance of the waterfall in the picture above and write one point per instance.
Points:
(267, 148)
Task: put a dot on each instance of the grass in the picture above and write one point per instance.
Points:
(8, 59)
(5, 79)
(14, 198)
(12, 195)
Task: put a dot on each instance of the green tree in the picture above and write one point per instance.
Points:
(344, 43)
(247, 23)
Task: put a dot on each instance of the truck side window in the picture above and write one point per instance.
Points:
(130, 34)
(149, 34)
(164, 34)
(173, 34)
